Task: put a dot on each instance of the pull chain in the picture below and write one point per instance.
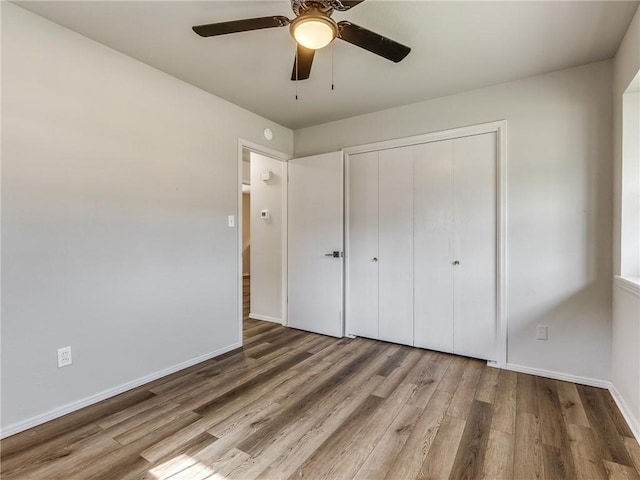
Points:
(332, 62)
(297, 71)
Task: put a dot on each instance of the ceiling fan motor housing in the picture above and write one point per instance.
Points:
(304, 7)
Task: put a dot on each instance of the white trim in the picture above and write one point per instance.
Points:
(500, 129)
(627, 413)
(346, 327)
(257, 148)
(343, 262)
(240, 313)
(266, 318)
(501, 237)
(566, 377)
(112, 392)
(630, 285)
(285, 245)
(467, 131)
(262, 150)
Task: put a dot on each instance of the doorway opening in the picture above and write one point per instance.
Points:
(262, 235)
(246, 235)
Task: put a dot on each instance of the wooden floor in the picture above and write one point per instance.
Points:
(303, 406)
(246, 297)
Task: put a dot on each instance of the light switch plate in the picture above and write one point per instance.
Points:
(231, 221)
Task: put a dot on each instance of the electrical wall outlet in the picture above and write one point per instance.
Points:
(542, 332)
(64, 357)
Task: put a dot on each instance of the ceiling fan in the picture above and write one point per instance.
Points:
(313, 28)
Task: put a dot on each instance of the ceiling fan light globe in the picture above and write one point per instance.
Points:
(313, 32)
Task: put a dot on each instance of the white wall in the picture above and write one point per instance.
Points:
(559, 203)
(246, 233)
(116, 185)
(626, 304)
(266, 238)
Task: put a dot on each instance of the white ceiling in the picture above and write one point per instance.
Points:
(456, 46)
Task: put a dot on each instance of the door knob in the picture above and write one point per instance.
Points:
(375, 259)
(456, 262)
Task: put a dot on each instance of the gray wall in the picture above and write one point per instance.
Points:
(559, 198)
(116, 185)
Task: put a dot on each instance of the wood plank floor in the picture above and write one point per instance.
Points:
(297, 405)
(246, 297)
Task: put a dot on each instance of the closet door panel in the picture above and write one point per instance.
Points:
(362, 245)
(395, 167)
(433, 221)
(475, 246)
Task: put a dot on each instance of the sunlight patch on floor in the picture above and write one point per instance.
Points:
(184, 467)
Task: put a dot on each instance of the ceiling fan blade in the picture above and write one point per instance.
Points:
(245, 25)
(371, 41)
(302, 63)
(343, 5)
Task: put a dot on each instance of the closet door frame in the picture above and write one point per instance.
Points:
(500, 129)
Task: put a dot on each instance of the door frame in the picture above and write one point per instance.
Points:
(284, 158)
(500, 129)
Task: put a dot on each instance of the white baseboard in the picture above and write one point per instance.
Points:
(112, 392)
(255, 316)
(567, 377)
(627, 413)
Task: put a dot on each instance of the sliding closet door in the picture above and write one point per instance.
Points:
(395, 236)
(362, 246)
(474, 164)
(433, 222)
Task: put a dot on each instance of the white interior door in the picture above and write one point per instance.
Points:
(395, 263)
(433, 230)
(361, 256)
(315, 232)
(475, 293)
